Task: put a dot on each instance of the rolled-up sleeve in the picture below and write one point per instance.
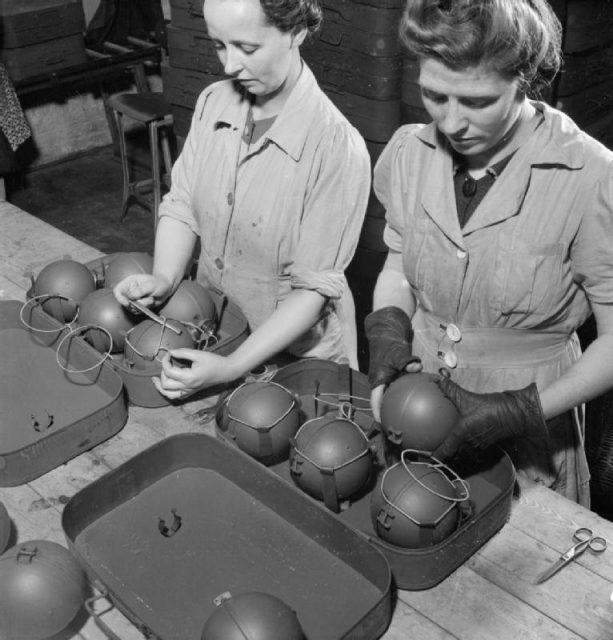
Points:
(334, 209)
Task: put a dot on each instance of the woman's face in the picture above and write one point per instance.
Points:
(474, 108)
(259, 56)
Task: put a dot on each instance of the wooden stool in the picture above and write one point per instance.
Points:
(151, 109)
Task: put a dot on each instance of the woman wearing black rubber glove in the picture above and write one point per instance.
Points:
(499, 222)
(389, 335)
(489, 418)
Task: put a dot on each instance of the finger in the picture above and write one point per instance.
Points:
(415, 366)
(171, 378)
(450, 389)
(376, 398)
(448, 448)
(171, 394)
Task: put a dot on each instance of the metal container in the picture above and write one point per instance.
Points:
(51, 414)
(191, 518)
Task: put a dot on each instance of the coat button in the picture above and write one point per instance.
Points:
(453, 333)
(230, 198)
(450, 359)
(461, 254)
(219, 263)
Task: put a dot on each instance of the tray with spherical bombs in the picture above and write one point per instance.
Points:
(195, 540)
(57, 398)
(426, 517)
(81, 296)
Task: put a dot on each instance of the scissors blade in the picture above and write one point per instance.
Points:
(553, 569)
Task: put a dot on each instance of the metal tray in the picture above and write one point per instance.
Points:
(48, 414)
(491, 479)
(235, 527)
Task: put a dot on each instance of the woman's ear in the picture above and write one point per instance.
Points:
(298, 37)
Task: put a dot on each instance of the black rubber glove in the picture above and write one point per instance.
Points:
(487, 418)
(389, 334)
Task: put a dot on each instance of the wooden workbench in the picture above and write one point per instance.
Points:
(492, 595)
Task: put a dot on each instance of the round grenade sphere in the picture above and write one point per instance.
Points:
(192, 303)
(261, 417)
(414, 506)
(67, 282)
(127, 264)
(253, 616)
(331, 443)
(5, 528)
(42, 588)
(101, 309)
(146, 343)
(415, 413)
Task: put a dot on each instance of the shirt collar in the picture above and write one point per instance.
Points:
(556, 140)
(292, 125)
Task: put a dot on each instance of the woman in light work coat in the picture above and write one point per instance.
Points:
(274, 181)
(499, 226)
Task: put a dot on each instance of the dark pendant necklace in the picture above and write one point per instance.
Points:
(469, 186)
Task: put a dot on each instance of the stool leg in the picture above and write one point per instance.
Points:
(167, 155)
(124, 164)
(155, 170)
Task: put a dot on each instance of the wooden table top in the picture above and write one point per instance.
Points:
(492, 595)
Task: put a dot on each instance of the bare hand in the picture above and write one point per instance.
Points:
(185, 371)
(147, 289)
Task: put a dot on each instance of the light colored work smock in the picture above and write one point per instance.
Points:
(517, 280)
(285, 214)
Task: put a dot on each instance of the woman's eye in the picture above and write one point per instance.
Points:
(249, 50)
(478, 104)
(434, 97)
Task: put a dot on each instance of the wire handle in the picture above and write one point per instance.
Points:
(38, 301)
(75, 332)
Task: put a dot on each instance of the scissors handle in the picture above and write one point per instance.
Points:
(586, 540)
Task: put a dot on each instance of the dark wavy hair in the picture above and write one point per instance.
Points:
(293, 15)
(519, 39)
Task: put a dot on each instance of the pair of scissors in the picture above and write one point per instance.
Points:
(585, 540)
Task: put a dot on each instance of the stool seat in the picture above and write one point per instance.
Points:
(151, 109)
(143, 107)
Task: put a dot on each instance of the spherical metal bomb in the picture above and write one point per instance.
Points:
(192, 303)
(252, 616)
(415, 414)
(66, 282)
(415, 505)
(331, 446)
(5, 528)
(102, 309)
(146, 343)
(126, 264)
(42, 588)
(261, 417)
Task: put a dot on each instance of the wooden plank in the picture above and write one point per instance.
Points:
(472, 608)
(408, 623)
(576, 597)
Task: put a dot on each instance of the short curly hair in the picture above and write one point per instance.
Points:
(519, 39)
(293, 15)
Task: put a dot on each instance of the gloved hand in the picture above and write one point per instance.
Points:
(487, 418)
(389, 335)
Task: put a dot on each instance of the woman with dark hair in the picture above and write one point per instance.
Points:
(499, 226)
(274, 181)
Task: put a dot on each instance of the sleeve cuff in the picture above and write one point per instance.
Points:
(330, 283)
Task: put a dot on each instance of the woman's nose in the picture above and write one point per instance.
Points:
(231, 64)
(454, 120)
